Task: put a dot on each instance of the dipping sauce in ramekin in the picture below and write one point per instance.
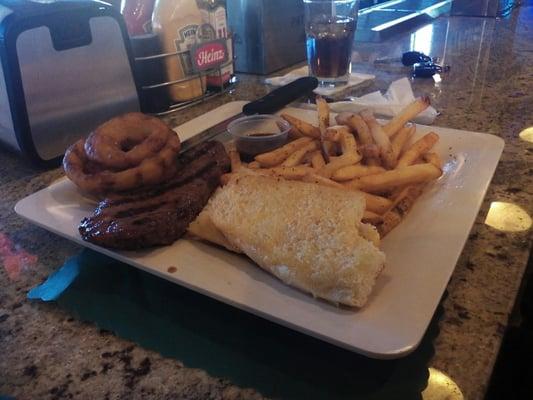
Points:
(257, 134)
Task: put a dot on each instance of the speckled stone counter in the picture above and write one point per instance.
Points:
(489, 89)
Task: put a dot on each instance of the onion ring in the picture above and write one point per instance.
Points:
(126, 141)
(75, 165)
(92, 178)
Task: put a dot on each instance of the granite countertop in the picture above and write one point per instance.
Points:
(489, 89)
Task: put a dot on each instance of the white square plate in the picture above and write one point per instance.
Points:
(421, 252)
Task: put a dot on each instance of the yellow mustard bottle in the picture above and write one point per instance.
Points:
(176, 22)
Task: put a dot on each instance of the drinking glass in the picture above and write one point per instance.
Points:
(330, 30)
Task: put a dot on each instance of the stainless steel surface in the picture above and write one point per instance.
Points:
(7, 131)
(68, 93)
(268, 34)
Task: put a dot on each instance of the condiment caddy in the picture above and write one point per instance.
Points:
(154, 95)
(188, 56)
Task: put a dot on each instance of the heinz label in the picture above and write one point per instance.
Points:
(186, 38)
(209, 55)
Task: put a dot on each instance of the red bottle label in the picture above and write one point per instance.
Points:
(138, 16)
(209, 55)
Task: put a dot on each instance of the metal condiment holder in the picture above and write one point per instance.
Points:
(208, 93)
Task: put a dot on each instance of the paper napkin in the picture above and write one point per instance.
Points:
(355, 79)
(389, 104)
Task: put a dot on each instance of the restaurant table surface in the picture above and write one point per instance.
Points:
(45, 353)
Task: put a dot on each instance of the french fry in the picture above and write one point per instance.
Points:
(307, 158)
(343, 117)
(322, 108)
(323, 122)
(371, 218)
(235, 160)
(403, 203)
(254, 165)
(245, 171)
(296, 157)
(369, 151)
(418, 148)
(332, 132)
(317, 161)
(390, 220)
(339, 162)
(348, 145)
(297, 172)
(401, 176)
(355, 171)
(285, 172)
(401, 138)
(294, 133)
(259, 171)
(320, 180)
(376, 204)
(331, 148)
(277, 156)
(400, 207)
(303, 127)
(342, 135)
(407, 114)
(433, 158)
(381, 139)
(357, 124)
(396, 193)
(350, 155)
(372, 161)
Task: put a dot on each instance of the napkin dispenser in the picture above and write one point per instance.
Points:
(268, 35)
(65, 68)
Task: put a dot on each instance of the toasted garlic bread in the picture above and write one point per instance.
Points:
(203, 228)
(307, 235)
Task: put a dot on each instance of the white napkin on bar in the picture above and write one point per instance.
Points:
(355, 79)
(389, 104)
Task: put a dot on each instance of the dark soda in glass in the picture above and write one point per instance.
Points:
(329, 48)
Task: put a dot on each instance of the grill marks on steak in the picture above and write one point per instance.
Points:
(160, 215)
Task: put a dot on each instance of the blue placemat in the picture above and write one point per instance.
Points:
(224, 341)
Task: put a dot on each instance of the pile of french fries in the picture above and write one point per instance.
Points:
(380, 161)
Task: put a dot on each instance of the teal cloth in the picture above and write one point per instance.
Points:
(58, 282)
(226, 342)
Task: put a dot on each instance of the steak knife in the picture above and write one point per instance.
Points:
(269, 104)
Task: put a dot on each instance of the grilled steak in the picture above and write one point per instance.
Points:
(159, 215)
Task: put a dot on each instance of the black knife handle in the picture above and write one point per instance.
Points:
(280, 97)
